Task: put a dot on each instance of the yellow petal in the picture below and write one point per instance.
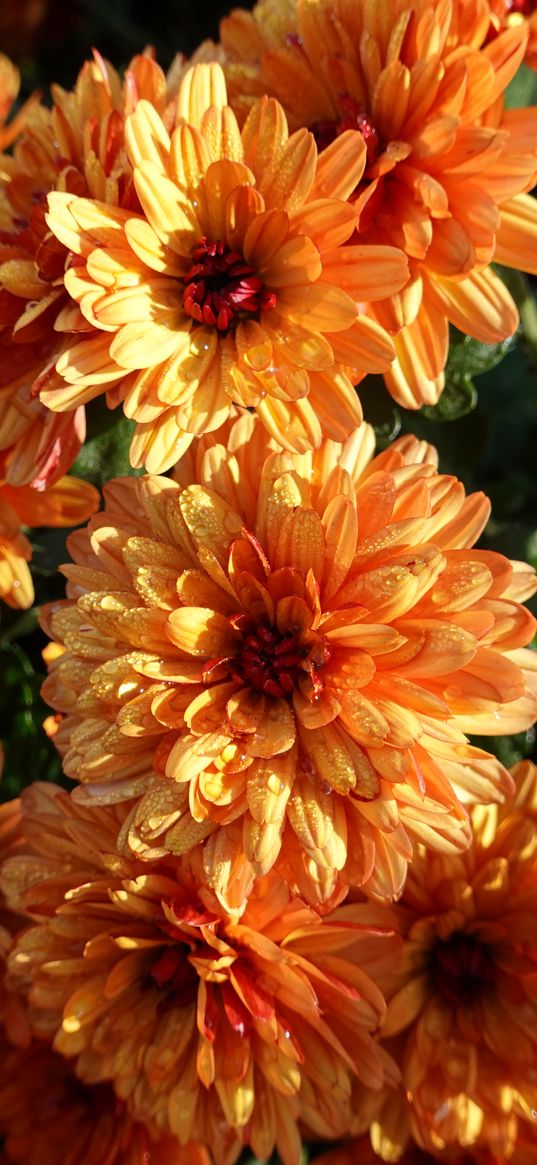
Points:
(201, 631)
(146, 138)
(202, 86)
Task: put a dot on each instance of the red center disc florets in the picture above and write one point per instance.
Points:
(273, 663)
(462, 968)
(175, 977)
(354, 116)
(221, 288)
(172, 972)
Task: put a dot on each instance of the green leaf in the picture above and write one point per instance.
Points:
(522, 90)
(509, 749)
(105, 453)
(29, 754)
(458, 399)
(469, 357)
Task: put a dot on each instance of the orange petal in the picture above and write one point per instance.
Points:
(366, 272)
(66, 503)
(276, 732)
(340, 167)
(516, 240)
(479, 305)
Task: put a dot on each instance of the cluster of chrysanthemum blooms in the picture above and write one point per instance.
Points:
(287, 899)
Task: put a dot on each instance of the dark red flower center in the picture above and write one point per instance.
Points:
(175, 976)
(273, 663)
(353, 116)
(172, 971)
(462, 968)
(221, 287)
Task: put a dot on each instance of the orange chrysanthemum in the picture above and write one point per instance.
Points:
(464, 996)
(211, 1028)
(67, 503)
(298, 643)
(231, 286)
(48, 1117)
(444, 168)
(76, 146)
(9, 88)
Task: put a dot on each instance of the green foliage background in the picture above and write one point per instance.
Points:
(485, 426)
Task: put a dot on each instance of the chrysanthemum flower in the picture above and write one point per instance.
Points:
(76, 146)
(444, 169)
(67, 503)
(231, 286)
(211, 1028)
(13, 1019)
(299, 643)
(9, 88)
(49, 1117)
(464, 996)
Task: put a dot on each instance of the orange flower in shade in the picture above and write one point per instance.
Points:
(9, 88)
(67, 503)
(212, 1028)
(463, 999)
(76, 146)
(360, 1152)
(13, 1017)
(444, 168)
(510, 14)
(298, 643)
(48, 1117)
(36, 446)
(231, 286)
